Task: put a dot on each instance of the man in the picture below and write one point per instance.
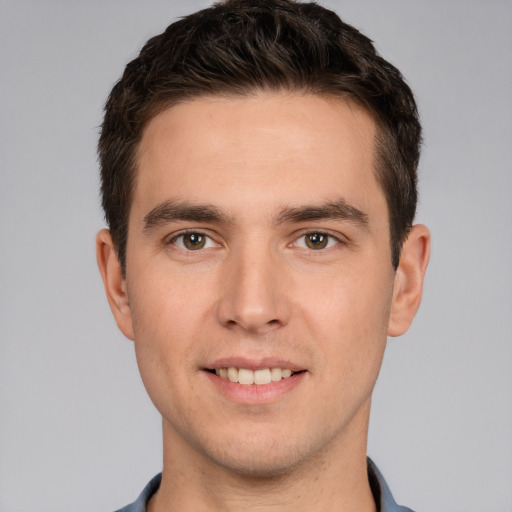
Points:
(258, 168)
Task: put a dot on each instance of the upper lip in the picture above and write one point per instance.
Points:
(254, 364)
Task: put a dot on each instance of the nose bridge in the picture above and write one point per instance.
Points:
(253, 294)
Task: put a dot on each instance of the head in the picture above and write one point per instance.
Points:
(259, 168)
(243, 47)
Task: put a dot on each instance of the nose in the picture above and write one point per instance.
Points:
(253, 292)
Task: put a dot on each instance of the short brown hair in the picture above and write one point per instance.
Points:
(237, 47)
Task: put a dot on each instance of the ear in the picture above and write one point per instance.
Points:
(409, 277)
(114, 282)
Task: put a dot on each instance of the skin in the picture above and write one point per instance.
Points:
(256, 290)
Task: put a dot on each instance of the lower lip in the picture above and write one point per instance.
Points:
(256, 394)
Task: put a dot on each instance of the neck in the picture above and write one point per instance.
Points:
(334, 480)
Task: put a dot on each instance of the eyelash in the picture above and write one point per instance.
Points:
(209, 240)
(332, 241)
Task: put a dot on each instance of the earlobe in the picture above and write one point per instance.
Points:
(409, 278)
(114, 282)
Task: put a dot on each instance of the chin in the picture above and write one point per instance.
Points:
(258, 467)
(268, 458)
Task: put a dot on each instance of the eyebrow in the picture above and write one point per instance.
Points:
(170, 211)
(332, 210)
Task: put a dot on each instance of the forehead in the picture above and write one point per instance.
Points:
(286, 147)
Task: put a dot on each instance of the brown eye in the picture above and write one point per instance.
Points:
(194, 241)
(316, 240)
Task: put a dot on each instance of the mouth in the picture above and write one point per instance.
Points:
(255, 381)
(248, 377)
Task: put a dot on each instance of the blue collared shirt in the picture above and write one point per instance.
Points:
(380, 490)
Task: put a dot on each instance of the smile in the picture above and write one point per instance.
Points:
(251, 382)
(246, 376)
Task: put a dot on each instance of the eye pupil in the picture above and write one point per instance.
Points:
(316, 240)
(194, 241)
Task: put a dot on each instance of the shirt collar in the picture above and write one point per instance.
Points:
(381, 493)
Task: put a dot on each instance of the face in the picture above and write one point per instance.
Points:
(258, 249)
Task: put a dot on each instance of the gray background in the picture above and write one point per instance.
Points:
(77, 432)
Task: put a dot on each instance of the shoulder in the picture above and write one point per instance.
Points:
(381, 492)
(139, 505)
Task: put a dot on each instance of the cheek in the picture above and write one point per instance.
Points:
(164, 337)
(171, 312)
(160, 324)
(166, 302)
(349, 298)
(349, 316)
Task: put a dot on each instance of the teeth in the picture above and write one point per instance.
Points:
(245, 376)
(276, 374)
(233, 374)
(258, 377)
(262, 376)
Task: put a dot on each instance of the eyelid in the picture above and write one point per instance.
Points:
(171, 239)
(340, 240)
